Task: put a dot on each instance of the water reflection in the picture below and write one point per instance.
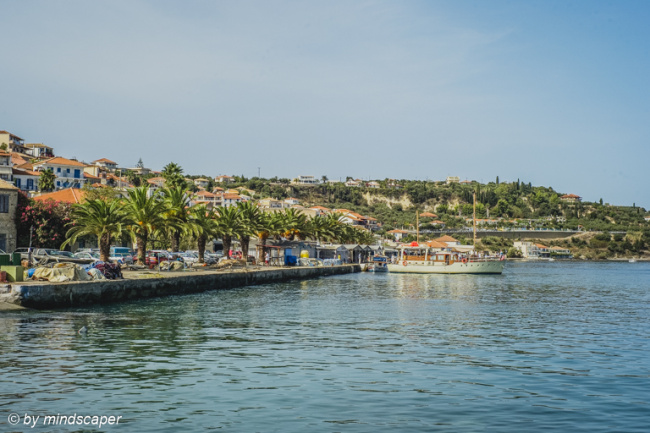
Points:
(562, 347)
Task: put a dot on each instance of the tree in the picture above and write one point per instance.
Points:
(104, 219)
(44, 223)
(202, 224)
(228, 226)
(270, 226)
(176, 201)
(46, 180)
(294, 224)
(173, 175)
(145, 214)
(250, 224)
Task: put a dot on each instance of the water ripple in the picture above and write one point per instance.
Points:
(553, 346)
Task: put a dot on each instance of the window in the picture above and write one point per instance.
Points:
(58, 169)
(77, 174)
(17, 182)
(4, 203)
(30, 184)
(3, 241)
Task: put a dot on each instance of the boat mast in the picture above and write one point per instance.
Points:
(474, 219)
(417, 227)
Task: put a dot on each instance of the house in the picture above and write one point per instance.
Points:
(397, 234)
(571, 198)
(94, 180)
(428, 215)
(39, 150)
(230, 199)
(373, 184)
(106, 164)
(448, 240)
(224, 179)
(305, 180)
(452, 179)
(8, 203)
(13, 142)
(68, 172)
(156, 182)
(355, 183)
(392, 183)
(270, 203)
(25, 179)
(68, 195)
(647, 218)
(438, 246)
(320, 210)
(291, 201)
(560, 253)
(210, 200)
(201, 182)
(532, 250)
(6, 166)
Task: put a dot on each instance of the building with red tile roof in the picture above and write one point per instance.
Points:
(68, 195)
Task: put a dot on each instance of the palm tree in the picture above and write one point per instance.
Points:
(294, 223)
(202, 224)
(177, 201)
(270, 226)
(104, 219)
(146, 216)
(228, 226)
(251, 222)
(46, 180)
(173, 174)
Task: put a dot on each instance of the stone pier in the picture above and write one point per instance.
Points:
(46, 295)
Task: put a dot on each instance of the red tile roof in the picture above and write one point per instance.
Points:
(105, 160)
(58, 160)
(69, 195)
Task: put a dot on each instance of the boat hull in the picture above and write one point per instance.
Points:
(480, 267)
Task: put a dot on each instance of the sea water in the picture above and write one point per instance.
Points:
(552, 346)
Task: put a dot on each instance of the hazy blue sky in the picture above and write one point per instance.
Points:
(551, 92)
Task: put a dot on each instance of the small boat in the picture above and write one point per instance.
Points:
(633, 260)
(379, 264)
(416, 259)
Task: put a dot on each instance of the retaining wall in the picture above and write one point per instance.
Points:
(56, 295)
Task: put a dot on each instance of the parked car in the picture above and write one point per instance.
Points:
(49, 255)
(87, 255)
(153, 257)
(189, 257)
(122, 255)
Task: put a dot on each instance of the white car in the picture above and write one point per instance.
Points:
(189, 258)
(87, 255)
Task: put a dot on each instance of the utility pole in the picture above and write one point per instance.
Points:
(258, 172)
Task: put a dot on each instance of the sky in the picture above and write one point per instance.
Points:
(554, 93)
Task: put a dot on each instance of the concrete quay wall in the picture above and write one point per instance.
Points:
(48, 295)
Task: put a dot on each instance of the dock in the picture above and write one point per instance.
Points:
(150, 284)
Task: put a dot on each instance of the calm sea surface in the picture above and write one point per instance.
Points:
(543, 347)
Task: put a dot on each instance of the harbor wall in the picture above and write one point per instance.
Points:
(48, 295)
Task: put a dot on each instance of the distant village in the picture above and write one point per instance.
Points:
(21, 165)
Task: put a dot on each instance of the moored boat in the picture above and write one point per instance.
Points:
(418, 259)
(379, 264)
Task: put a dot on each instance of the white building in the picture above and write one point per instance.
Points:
(305, 180)
(68, 172)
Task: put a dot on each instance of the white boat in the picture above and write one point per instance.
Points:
(379, 264)
(416, 259)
